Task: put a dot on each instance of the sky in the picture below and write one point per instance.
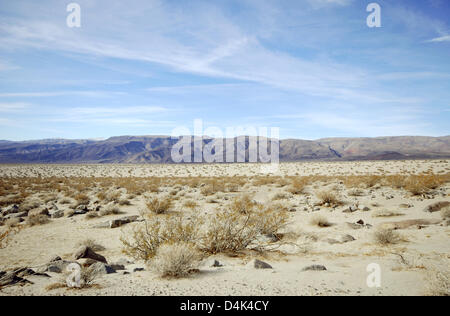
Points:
(312, 68)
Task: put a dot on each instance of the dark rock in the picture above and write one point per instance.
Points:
(122, 221)
(57, 214)
(100, 268)
(258, 264)
(347, 238)
(117, 267)
(360, 222)
(11, 210)
(138, 269)
(315, 267)
(86, 252)
(216, 264)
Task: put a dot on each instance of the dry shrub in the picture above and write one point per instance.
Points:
(422, 184)
(386, 237)
(29, 205)
(298, 185)
(232, 231)
(109, 210)
(176, 260)
(159, 205)
(328, 197)
(438, 282)
(243, 204)
(155, 231)
(320, 221)
(38, 219)
(90, 243)
(82, 199)
(190, 204)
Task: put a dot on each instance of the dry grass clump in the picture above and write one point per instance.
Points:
(320, 221)
(176, 260)
(438, 282)
(298, 185)
(361, 181)
(81, 199)
(386, 237)
(422, 184)
(190, 204)
(159, 205)
(90, 243)
(243, 204)
(147, 238)
(328, 197)
(109, 210)
(38, 219)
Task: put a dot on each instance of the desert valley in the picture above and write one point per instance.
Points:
(307, 228)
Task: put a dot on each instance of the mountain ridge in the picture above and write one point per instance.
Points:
(157, 149)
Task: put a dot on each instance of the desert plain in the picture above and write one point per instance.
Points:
(306, 228)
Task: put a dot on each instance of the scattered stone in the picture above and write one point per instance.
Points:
(86, 252)
(332, 241)
(57, 214)
(409, 223)
(100, 268)
(258, 264)
(293, 210)
(365, 209)
(315, 267)
(216, 264)
(138, 269)
(347, 238)
(11, 210)
(360, 222)
(55, 259)
(123, 221)
(16, 215)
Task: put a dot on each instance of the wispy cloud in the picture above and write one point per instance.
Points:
(59, 93)
(445, 38)
(13, 107)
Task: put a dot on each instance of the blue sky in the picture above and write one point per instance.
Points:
(144, 67)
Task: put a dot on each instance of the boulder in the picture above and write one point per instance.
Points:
(122, 221)
(86, 252)
(11, 210)
(100, 268)
(57, 214)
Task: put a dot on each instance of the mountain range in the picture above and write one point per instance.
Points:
(157, 149)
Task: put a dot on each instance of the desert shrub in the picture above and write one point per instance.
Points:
(159, 205)
(280, 196)
(38, 219)
(29, 205)
(233, 231)
(422, 184)
(298, 185)
(82, 199)
(190, 204)
(328, 197)
(109, 210)
(176, 260)
(90, 243)
(155, 231)
(320, 221)
(243, 204)
(386, 237)
(438, 282)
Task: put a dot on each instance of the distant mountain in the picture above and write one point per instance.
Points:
(157, 149)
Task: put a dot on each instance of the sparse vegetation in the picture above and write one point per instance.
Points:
(328, 197)
(38, 219)
(438, 281)
(159, 205)
(176, 260)
(386, 237)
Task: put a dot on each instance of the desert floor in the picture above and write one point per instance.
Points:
(322, 202)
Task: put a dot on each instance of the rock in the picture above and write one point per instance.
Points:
(10, 278)
(15, 215)
(55, 259)
(55, 266)
(315, 267)
(11, 210)
(77, 212)
(38, 211)
(258, 264)
(355, 226)
(351, 209)
(86, 252)
(122, 221)
(365, 208)
(100, 268)
(216, 264)
(347, 238)
(293, 210)
(57, 214)
(102, 225)
(332, 241)
(360, 222)
(117, 267)
(86, 262)
(138, 269)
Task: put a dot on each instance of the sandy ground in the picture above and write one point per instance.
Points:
(405, 266)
